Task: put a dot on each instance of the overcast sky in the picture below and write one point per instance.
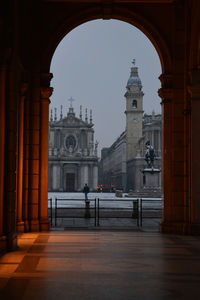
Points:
(92, 65)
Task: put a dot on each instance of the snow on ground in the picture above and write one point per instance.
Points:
(106, 200)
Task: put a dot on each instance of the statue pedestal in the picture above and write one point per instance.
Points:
(151, 179)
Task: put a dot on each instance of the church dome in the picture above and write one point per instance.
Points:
(134, 79)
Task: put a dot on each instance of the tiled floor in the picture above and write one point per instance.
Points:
(101, 265)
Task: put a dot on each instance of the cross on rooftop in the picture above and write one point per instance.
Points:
(71, 100)
(133, 62)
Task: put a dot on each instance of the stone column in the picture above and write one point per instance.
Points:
(85, 174)
(95, 177)
(166, 94)
(2, 153)
(34, 156)
(12, 98)
(55, 179)
(26, 164)
(20, 222)
(175, 218)
(44, 119)
(194, 91)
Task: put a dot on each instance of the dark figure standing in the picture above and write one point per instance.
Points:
(86, 190)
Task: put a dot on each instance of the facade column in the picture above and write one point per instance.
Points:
(194, 91)
(44, 125)
(20, 222)
(95, 177)
(2, 152)
(85, 174)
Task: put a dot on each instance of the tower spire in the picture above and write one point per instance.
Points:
(61, 113)
(51, 117)
(81, 112)
(90, 116)
(86, 117)
(55, 114)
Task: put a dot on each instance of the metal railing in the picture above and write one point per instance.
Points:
(50, 208)
(75, 208)
(150, 208)
(101, 209)
(126, 208)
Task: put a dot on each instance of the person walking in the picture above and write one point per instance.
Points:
(86, 190)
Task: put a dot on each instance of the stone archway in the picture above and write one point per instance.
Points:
(140, 23)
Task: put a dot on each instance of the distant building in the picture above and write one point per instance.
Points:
(72, 153)
(122, 163)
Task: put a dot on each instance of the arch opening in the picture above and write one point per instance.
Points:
(77, 84)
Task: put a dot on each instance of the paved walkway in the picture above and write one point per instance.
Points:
(101, 265)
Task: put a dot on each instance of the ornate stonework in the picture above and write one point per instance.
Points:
(72, 153)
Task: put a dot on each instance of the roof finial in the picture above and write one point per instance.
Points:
(61, 113)
(51, 117)
(90, 116)
(71, 100)
(55, 114)
(86, 117)
(81, 112)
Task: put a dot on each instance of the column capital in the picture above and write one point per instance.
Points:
(166, 94)
(46, 92)
(166, 80)
(45, 79)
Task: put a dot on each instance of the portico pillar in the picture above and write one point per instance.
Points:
(166, 104)
(194, 91)
(20, 222)
(2, 152)
(174, 177)
(44, 119)
(26, 164)
(34, 155)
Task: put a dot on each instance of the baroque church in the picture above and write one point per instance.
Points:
(122, 163)
(73, 157)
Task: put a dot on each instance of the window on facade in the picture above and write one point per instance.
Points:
(70, 142)
(134, 104)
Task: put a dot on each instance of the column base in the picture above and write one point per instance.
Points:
(11, 240)
(20, 226)
(179, 228)
(44, 225)
(34, 226)
(26, 226)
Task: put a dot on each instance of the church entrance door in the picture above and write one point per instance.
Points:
(70, 182)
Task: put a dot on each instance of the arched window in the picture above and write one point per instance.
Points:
(134, 104)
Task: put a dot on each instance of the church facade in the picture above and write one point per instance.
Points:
(73, 157)
(122, 164)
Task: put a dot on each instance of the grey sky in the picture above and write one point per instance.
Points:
(92, 64)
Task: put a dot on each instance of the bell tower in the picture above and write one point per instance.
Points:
(134, 112)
